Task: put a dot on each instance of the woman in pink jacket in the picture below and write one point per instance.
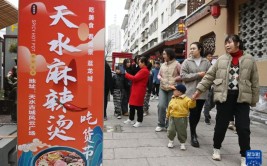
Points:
(138, 90)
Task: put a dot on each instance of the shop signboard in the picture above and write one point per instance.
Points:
(60, 82)
(12, 30)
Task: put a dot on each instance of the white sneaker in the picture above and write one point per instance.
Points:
(235, 132)
(118, 117)
(145, 113)
(182, 147)
(231, 125)
(128, 121)
(216, 155)
(170, 144)
(137, 124)
(243, 161)
(158, 129)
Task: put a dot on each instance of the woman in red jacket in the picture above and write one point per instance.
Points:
(138, 90)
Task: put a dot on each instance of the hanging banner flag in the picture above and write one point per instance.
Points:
(60, 82)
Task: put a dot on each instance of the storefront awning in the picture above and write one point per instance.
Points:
(8, 14)
(166, 43)
(175, 41)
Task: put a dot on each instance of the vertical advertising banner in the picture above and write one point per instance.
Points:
(60, 82)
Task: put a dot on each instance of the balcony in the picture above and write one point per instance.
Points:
(180, 4)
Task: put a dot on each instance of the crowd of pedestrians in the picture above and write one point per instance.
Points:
(184, 90)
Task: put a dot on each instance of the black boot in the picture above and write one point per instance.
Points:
(194, 141)
(207, 120)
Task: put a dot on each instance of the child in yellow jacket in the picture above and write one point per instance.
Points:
(177, 114)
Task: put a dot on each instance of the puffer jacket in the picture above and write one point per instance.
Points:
(218, 75)
(179, 106)
(190, 77)
(169, 74)
(118, 81)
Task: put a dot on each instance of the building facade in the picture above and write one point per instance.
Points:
(151, 25)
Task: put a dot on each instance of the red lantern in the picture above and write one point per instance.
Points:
(215, 10)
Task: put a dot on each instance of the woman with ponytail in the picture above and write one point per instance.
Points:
(193, 70)
(138, 91)
(236, 87)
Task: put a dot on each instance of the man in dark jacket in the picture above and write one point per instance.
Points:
(108, 87)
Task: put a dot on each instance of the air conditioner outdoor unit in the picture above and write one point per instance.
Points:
(180, 4)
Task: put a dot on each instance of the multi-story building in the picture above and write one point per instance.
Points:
(152, 25)
(114, 38)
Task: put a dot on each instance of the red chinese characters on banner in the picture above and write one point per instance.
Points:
(61, 61)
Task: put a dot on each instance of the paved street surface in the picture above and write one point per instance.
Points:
(125, 145)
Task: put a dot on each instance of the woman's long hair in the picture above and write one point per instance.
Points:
(146, 62)
(125, 61)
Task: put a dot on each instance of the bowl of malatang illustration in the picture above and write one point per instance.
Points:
(59, 156)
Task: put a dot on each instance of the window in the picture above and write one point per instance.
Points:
(209, 42)
(162, 18)
(143, 22)
(155, 6)
(147, 17)
(173, 4)
(144, 7)
(153, 27)
(192, 5)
